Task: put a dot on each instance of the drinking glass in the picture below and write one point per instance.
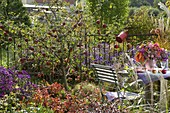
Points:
(163, 64)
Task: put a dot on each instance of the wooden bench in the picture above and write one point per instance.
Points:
(108, 74)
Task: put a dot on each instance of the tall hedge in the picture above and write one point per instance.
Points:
(109, 10)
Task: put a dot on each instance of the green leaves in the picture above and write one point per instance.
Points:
(14, 10)
(107, 10)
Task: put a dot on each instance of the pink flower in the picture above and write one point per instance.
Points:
(156, 45)
(152, 51)
(150, 45)
(162, 49)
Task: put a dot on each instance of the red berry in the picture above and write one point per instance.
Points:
(72, 71)
(71, 49)
(85, 53)
(116, 46)
(104, 25)
(43, 54)
(80, 24)
(20, 72)
(1, 26)
(98, 31)
(22, 60)
(26, 39)
(63, 24)
(49, 33)
(48, 63)
(98, 21)
(53, 47)
(54, 30)
(164, 71)
(65, 49)
(79, 45)
(10, 39)
(36, 41)
(5, 33)
(59, 51)
(31, 48)
(77, 11)
(99, 46)
(19, 45)
(75, 25)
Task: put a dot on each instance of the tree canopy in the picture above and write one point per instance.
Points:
(109, 10)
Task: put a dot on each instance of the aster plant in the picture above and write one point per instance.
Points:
(15, 81)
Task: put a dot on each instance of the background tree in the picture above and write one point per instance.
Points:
(141, 23)
(13, 10)
(109, 11)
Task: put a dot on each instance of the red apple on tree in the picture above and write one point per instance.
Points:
(31, 48)
(1, 26)
(22, 60)
(43, 54)
(98, 31)
(48, 63)
(19, 45)
(36, 41)
(98, 21)
(10, 39)
(63, 24)
(104, 25)
(116, 46)
(71, 49)
(72, 71)
(59, 51)
(74, 26)
(5, 33)
(54, 30)
(80, 24)
(26, 39)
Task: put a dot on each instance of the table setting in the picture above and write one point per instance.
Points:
(153, 67)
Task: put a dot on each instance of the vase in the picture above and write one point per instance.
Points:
(150, 64)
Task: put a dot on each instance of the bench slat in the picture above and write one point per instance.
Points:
(107, 77)
(105, 70)
(107, 74)
(108, 80)
(102, 66)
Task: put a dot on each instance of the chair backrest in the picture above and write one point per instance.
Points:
(105, 73)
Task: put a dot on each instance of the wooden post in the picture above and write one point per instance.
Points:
(164, 95)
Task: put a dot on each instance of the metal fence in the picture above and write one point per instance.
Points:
(91, 50)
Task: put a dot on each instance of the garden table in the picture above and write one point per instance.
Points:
(149, 78)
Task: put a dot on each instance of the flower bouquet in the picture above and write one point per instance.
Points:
(149, 54)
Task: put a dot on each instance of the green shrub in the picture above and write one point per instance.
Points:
(87, 88)
(154, 11)
(132, 10)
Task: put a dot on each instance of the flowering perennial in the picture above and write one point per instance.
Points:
(14, 81)
(151, 51)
